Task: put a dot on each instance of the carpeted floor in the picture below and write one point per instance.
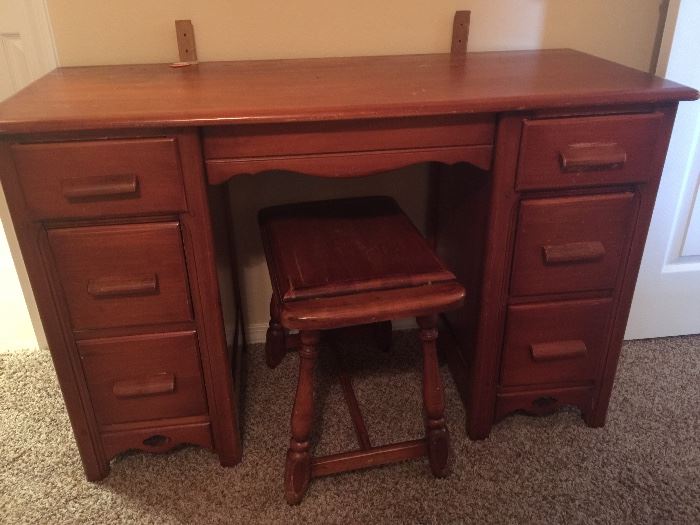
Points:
(643, 467)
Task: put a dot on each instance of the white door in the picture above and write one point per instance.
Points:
(26, 53)
(667, 297)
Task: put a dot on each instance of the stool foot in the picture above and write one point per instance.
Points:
(297, 473)
(437, 436)
(275, 347)
(438, 451)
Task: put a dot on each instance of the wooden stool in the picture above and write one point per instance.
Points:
(342, 263)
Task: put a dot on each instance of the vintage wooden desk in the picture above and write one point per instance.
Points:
(115, 177)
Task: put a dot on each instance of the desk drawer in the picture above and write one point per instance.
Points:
(122, 275)
(557, 342)
(572, 244)
(587, 151)
(100, 178)
(145, 377)
(272, 140)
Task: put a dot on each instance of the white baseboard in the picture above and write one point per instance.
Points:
(255, 333)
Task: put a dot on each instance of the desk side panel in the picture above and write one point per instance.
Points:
(55, 319)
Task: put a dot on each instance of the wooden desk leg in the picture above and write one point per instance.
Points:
(297, 472)
(437, 437)
(275, 348)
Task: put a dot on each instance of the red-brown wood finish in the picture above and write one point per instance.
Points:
(275, 140)
(570, 244)
(100, 178)
(121, 148)
(374, 247)
(351, 262)
(158, 439)
(326, 89)
(125, 279)
(587, 151)
(554, 342)
(122, 275)
(140, 378)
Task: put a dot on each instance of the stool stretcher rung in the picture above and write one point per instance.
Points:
(355, 414)
(373, 457)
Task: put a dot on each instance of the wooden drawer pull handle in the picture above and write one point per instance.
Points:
(100, 187)
(593, 156)
(573, 252)
(116, 286)
(558, 350)
(163, 383)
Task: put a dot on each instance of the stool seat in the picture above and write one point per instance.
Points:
(371, 307)
(342, 263)
(345, 246)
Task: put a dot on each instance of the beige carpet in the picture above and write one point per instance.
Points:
(643, 467)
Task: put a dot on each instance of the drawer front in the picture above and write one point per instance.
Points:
(100, 178)
(572, 244)
(270, 140)
(145, 377)
(587, 151)
(552, 343)
(124, 275)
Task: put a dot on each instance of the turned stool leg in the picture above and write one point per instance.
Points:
(433, 399)
(297, 471)
(275, 347)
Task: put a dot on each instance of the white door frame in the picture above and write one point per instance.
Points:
(667, 298)
(33, 42)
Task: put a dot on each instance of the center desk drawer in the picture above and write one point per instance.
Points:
(308, 138)
(571, 244)
(347, 149)
(123, 275)
(587, 151)
(145, 377)
(100, 178)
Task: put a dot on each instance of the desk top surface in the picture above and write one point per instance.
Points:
(154, 95)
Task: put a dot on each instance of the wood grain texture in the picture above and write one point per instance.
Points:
(309, 138)
(106, 148)
(159, 439)
(100, 178)
(553, 250)
(572, 252)
(222, 373)
(334, 248)
(326, 89)
(587, 151)
(543, 402)
(102, 268)
(531, 325)
(460, 33)
(184, 31)
(593, 156)
(628, 275)
(567, 349)
(373, 457)
(359, 164)
(349, 262)
(139, 378)
(56, 322)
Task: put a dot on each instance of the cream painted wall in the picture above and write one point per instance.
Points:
(133, 31)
